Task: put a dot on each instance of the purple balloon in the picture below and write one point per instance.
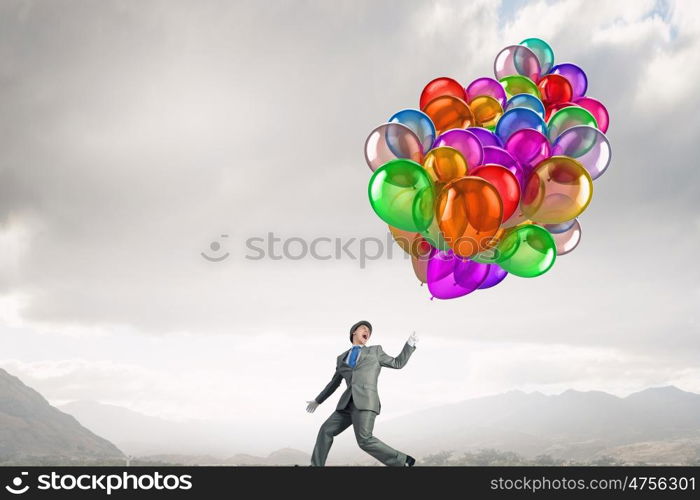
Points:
(494, 277)
(575, 75)
(486, 137)
(451, 276)
(499, 156)
(528, 147)
(486, 86)
(586, 144)
(465, 142)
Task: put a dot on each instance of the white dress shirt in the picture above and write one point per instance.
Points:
(347, 358)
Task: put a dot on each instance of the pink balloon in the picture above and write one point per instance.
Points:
(486, 86)
(569, 239)
(528, 147)
(390, 141)
(463, 141)
(596, 108)
(517, 60)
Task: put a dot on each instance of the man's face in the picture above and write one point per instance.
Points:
(361, 335)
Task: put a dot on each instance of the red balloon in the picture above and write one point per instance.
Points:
(439, 87)
(505, 183)
(555, 89)
(550, 110)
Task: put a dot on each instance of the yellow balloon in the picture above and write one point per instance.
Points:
(486, 110)
(444, 164)
(559, 189)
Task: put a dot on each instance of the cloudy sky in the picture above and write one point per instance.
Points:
(136, 134)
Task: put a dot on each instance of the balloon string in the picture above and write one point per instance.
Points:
(431, 298)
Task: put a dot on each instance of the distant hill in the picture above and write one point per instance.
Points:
(143, 435)
(658, 424)
(34, 432)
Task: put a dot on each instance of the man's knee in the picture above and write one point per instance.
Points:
(365, 440)
(326, 430)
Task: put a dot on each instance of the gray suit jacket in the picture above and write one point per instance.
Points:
(362, 380)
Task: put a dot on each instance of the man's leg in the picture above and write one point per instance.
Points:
(334, 425)
(363, 424)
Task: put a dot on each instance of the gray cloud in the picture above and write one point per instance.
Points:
(136, 133)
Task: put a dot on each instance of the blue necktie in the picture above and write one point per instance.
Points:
(353, 355)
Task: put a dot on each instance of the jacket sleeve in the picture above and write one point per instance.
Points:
(400, 360)
(330, 388)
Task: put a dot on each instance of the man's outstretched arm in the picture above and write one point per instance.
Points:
(326, 392)
(400, 360)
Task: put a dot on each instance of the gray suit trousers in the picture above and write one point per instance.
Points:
(363, 423)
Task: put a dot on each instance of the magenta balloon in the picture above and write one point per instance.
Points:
(517, 60)
(596, 108)
(499, 156)
(465, 142)
(451, 276)
(528, 147)
(495, 275)
(575, 75)
(486, 137)
(486, 86)
(390, 141)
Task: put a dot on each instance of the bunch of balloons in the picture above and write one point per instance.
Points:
(488, 180)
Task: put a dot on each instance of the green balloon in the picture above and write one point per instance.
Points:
(402, 195)
(544, 53)
(528, 251)
(569, 117)
(434, 236)
(488, 256)
(517, 84)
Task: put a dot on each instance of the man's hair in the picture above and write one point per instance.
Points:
(359, 324)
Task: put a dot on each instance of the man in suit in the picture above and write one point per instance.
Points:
(359, 404)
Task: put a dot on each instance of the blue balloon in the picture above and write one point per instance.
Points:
(518, 119)
(419, 123)
(527, 101)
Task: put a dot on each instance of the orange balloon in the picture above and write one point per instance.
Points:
(444, 164)
(469, 212)
(448, 112)
(486, 110)
(412, 243)
(558, 190)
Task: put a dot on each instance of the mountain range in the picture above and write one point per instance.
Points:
(656, 426)
(34, 432)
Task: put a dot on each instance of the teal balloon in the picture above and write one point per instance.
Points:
(528, 251)
(402, 195)
(543, 51)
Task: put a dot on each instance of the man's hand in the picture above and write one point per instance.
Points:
(412, 340)
(311, 406)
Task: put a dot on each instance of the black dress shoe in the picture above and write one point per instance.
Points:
(410, 461)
